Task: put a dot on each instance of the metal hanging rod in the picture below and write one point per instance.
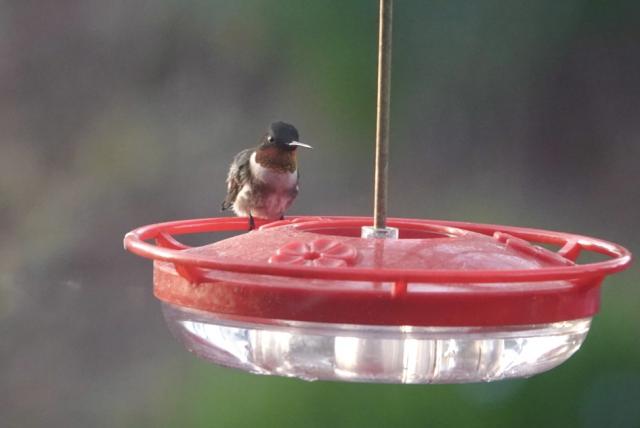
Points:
(382, 115)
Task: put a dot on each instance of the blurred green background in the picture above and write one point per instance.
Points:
(115, 114)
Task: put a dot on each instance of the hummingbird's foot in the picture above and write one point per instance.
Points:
(282, 217)
(252, 223)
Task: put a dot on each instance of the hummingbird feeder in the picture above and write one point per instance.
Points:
(378, 300)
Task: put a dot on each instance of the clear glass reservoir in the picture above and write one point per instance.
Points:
(367, 353)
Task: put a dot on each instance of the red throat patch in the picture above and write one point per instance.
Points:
(276, 159)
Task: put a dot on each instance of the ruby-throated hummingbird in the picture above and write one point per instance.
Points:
(263, 182)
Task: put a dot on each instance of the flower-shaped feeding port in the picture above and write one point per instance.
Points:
(320, 252)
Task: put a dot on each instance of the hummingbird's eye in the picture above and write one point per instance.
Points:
(270, 139)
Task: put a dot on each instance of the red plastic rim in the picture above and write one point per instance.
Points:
(571, 245)
(528, 305)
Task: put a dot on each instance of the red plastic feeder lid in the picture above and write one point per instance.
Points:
(438, 273)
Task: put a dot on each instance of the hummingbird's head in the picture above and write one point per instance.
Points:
(282, 136)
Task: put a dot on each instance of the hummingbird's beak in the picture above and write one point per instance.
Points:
(298, 143)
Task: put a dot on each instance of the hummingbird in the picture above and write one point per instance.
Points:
(263, 181)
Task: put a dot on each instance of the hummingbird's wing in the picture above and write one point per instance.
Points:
(239, 175)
